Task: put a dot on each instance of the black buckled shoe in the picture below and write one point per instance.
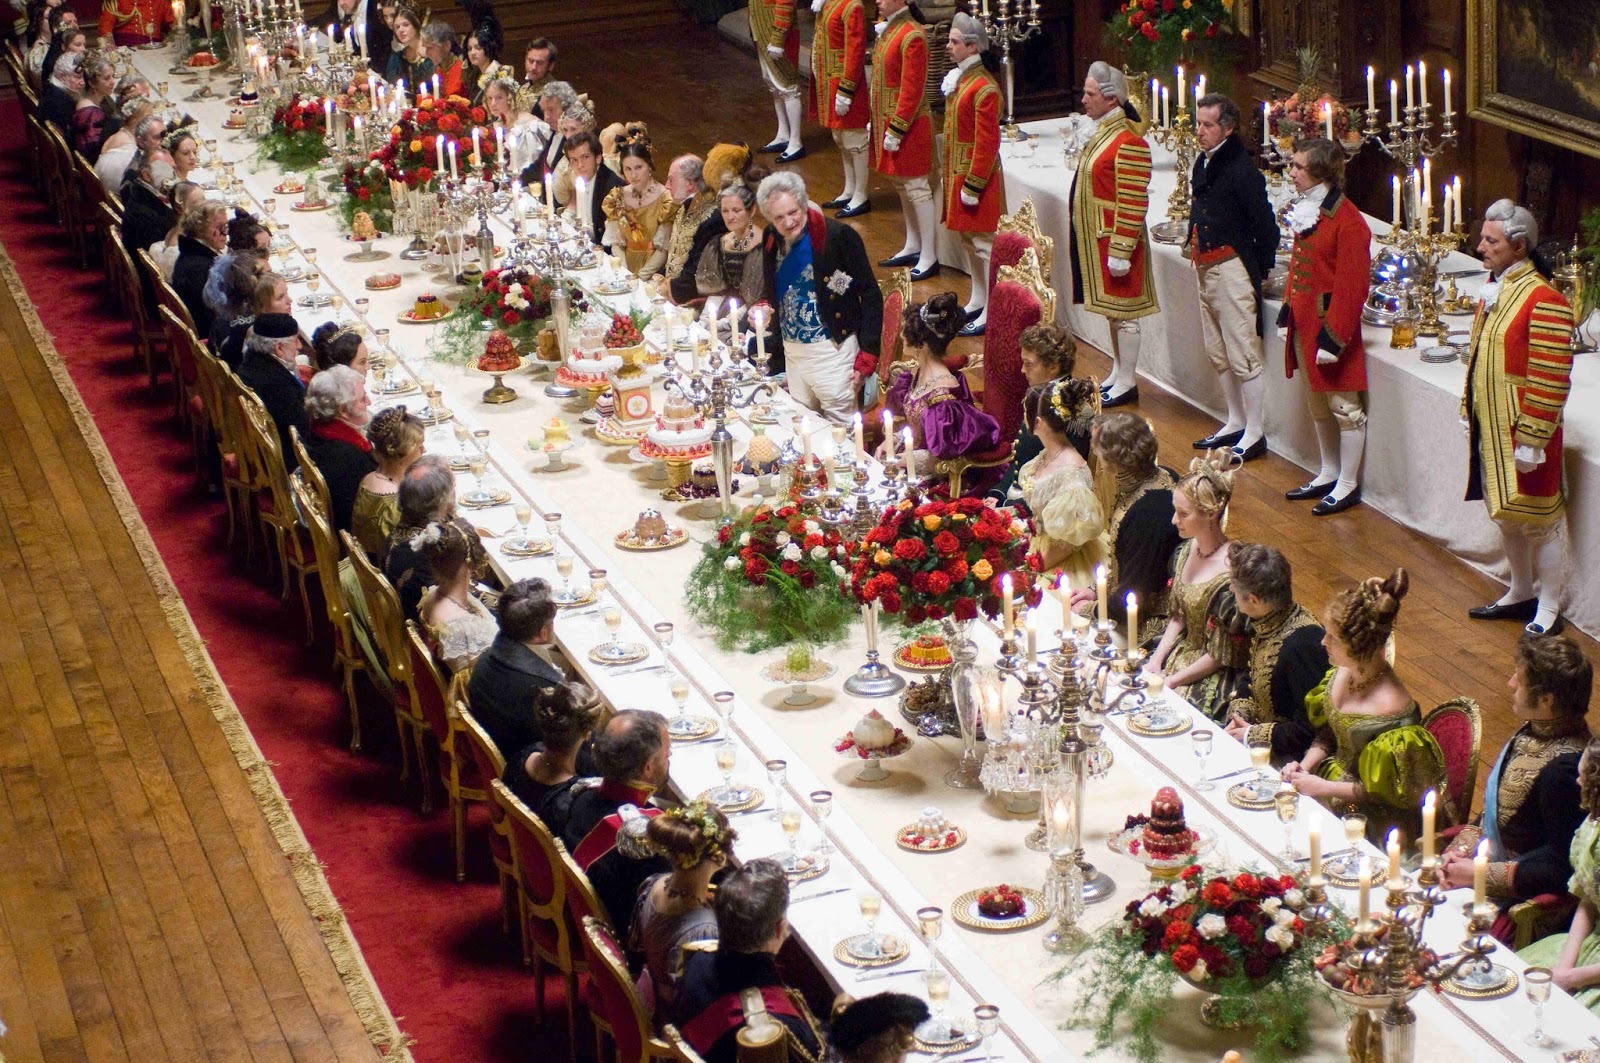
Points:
(775, 146)
(924, 274)
(836, 202)
(1219, 438)
(1255, 450)
(793, 156)
(900, 260)
(1524, 610)
(864, 207)
(1311, 490)
(1127, 398)
(1555, 628)
(1328, 506)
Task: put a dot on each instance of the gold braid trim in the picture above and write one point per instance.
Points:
(1499, 882)
(1529, 754)
(1116, 500)
(1266, 645)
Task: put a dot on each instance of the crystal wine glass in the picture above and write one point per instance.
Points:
(937, 1027)
(211, 151)
(822, 808)
(1287, 803)
(336, 300)
(463, 437)
(597, 582)
(1537, 980)
(480, 439)
(722, 702)
(613, 621)
(727, 757)
(310, 255)
(524, 517)
(1264, 783)
(777, 770)
(381, 338)
(678, 687)
(1200, 742)
(987, 1017)
(930, 924)
(1355, 831)
(871, 904)
(790, 822)
(564, 570)
(313, 282)
(380, 374)
(269, 207)
(552, 526)
(477, 464)
(361, 304)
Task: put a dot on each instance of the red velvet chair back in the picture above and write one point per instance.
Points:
(1018, 234)
(538, 869)
(614, 994)
(1020, 299)
(1458, 728)
(1008, 251)
(491, 765)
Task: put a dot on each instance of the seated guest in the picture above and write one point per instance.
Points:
(1532, 804)
(69, 40)
(334, 344)
(269, 294)
(632, 752)
(482, 50)
(1287, 659)
(407, 62)
(427, 494)
(1197, 651)
(59, 98)
(337, 410)
(1069, 524)
(184, 149)
(131, 107)
(439, 45)
(553, 99)
(147, 214)
(509, 675)
(396, 436)
(526, 135)
(269, 370)
(185, 196)
(730, 264)
(752, 907)
(674, 907)
(876, 1029)
(229, 294)
(640, 215)
(91, 120)
(361, 17)
(545, 771)
(696, 202)
(1371, 755)
(575, 120)
(538, 70)
(1048, 353)
(54, 21)
(592, 183)
(460, 626)
(247, 235)
(1138, 520)
(1574, 957)
(202, 237)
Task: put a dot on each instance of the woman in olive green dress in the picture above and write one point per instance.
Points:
(1574, 957)
(1371, 755)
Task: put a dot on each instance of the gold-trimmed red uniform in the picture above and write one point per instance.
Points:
(839, 63)
(128, 22)
(1110, 196)
(972, 153)
(1518, 377)
(1328, 273)
(900, 99)
(772, 22)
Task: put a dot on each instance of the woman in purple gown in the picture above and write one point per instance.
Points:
(936, 404)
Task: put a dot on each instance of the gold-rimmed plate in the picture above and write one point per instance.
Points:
(401, 386)
(410, 317)
(497, 497)
(853, 951)
(751, 797)
(807, 866)
(1333, 871)
(903, 660)
(307, 208)
(1254, 795)
(964, 910)
(628, 541)
(966, 1039)
(1158, 724)
(535, 548)
(588, 598)
(704, 727)
(625, 653)
(912, 839)
(1469, 991)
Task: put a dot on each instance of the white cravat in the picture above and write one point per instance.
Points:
(952, 77)
(1489, 294)
(1307, 209)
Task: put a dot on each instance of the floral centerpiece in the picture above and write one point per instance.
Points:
(296, 140)
(943, 559)
(771, 577)
(515, 300)
(1301, 115)
(411, 155)
(1238, 936)
(1156, 34)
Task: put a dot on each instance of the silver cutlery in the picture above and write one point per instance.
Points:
(640, 668)
(1231, 774)
(819, 893)
(1325, 856)
(748, 811)
(867, 976)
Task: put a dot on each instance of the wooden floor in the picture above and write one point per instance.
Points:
(146, 910)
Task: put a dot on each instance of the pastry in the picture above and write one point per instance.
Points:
(235, 116)
(380, 281)
(248, 94)
(929, 651)
(549, 349)
(428, 308)
(202, 59)
(680, 434)
(361, 227)
(557, 431)
(1002, 902)
(703, 479)
(762, 456)
(605, 404)
(499, 354)
(1165, 834)
(651, 527)
(872, 732)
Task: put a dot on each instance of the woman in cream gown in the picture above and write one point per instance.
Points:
(1069, 523)
(642, 212)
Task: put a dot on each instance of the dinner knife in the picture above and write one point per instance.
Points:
(819, 893)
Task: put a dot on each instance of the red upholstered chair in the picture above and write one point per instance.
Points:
(1017, 234)
(616, 999)
(896, 289)
(490, 764)
(682, 1051)
(1458, 728)
(1019, 299)
(431, 700)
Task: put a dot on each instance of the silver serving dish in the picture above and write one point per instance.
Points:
(1395, 272)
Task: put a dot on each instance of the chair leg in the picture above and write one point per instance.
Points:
(458, 813)
(305, 606)
(425, 774)
(405, 744)
(349, 668)
(572, 1010)
(539, 1004)
(599, 1045)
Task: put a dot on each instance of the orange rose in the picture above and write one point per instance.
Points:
(983, 570)
(932, 521)
(882, 558)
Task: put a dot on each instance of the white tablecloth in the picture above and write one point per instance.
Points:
(602, 492)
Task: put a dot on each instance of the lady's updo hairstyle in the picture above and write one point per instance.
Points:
(1066, 404)
(444, 547)
(1209, 484)
(1127, 443)
(934, 323)
(565, 714)
(1363, 617)
(693, 833)
(394, 433)
(1053, 346)
(335, 344)
(634, 143)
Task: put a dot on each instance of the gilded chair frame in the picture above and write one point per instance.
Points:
(1025, 223)
(1458, 806)
(492, 765)
(1028, 273)
(347, 658)
(296, 562)
(425, 666)
(601, 949)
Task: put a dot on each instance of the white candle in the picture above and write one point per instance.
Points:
(1411, 74)
(1364, 896)
(1422, 83)
(1033, 639)
(1064, 589)
(361, 39)
(911, 456)
(477, 146)
(733, 329)
(760, 326)
(1007, 606)
(436, 86)
(372, 91)
(581, 185)
(1155, 100)
(438, 143)
(1199, 91)
(1314, 837)
(1455, 197)
(549, 192)
(1182, 87)
(455, 173)
(327, 110)
(1394, 102)
(1166, 107)
(805, 443)
(1429, 809)
(856, 426)
(1444, 210)
(1372, 98)
(1132, 603)
(888, 435)
(1397, 216)
(1393, 849)
(1100, 590)
(1480, 874)
(1266, 123)
(361, 137)
(1327, 118)
(500, 144)
(1447, 111)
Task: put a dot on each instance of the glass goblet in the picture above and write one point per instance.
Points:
(1536, 981)
(870, 904)
(552, 526)
(1355, 831)
(597, 581)
(722, 702)
(478, 465)
(1263, 782)
(564, 570)
(678, 687)
(1200, 742)
(937, 1027)
(1287, 803)
(987, 1018)
(777, 770)
(822, 808)
(524, 516)
(361, 304)
(790, 822)
(930, 924)
(727, 757)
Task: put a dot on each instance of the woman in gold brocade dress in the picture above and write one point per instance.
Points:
(1372, 754)
(1069, 523)
(1197, 652)
(396, 438)
(642, 211)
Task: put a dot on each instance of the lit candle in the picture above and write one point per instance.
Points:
(372, 90)
(549, 192)
(1455, 197)
(1060, 813)
(1033, 639)
(177, 12)
(1480, 874)
(1397, 219)
(856, 425)
(1411, 74)
(1393, 849)
(1182, 87)
(888, 435)
(1372, 97)
(1314, 837)
(1327, 118)
(1166, 107)
(327, 110)
(361, 39)
(438, 142)
(911, 456)
(1266, 123)
(1447, 111)
(436, 86)
(455, 173)
(1155, 100)
(1064, 589)
(994, 715)
(1007, 606)
(1394, 102)
(1428, 812)
(759, 319)
(1422, 83)
(1364, 897)
(1100, 576)
(1199, 91)
(477, 146)
(1132, 603)
(581, 185)
(361, 139)
(805, 441)
(1444, 210)
(733, 327)
(500, 144)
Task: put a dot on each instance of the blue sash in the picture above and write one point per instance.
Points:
(1491, 805)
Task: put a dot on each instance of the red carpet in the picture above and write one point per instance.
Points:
(454, 982)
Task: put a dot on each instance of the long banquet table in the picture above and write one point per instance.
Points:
(602, 491)
(1416, 459)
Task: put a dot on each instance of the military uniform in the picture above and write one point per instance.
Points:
(528, 94)
(134, 22)
(838, 73)
(902, 141)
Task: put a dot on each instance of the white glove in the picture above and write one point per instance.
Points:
(1283, 332)
(1466, 425)
(775, 50)
(1527, 459)
(968, 199)
(816, 6)
(1326, 357)
(891, 143)
(1119, 267)
(850, 348)
(841, 104)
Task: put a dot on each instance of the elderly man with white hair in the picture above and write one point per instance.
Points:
(1111, 272)
(974, 191)
(270, 368)
(59, 97)
(1518, 377)
(338, 409)
(826, 305)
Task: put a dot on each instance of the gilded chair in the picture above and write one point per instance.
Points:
(682, 1051)
(347, 658)
(1019, 299)
(542, 893)
(91, 193)
(1018, 233)
(116, 260)
(149, 339)
(387, 625)
(307, 471)
(240, 480)
(584, 904)
(188, 400)
(617, 1000)
(457, 770)
(896, 289)
(275, 505)
(1458, 728)
(955, 470)
(490, 764)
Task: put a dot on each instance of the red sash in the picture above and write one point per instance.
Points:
(727, 1013)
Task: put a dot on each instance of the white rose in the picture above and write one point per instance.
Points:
(838, 569)
(1284, 917)
(819, 553)
(1212, 926)
(1199, 972)
(1294, 899)
(1152, 907)
(812, 527)
(1281, 936)
(782, 539)
(793, 552)
(732, 564)
(1271, 905)
(840, 550)
(514, 288)
(744, 539)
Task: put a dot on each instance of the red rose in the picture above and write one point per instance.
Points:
(1185, 958)
(1240, 928)
(891, 601)
(479, 115)
(807, 578)
(1188, 34)
(449, 123)
(511, 317)
(425, 174)
(910, 550)
(1150, 31)
(919, 582)
(1136, 19)
(724, 534)
(957, 570)
(1211, 30)
(1247, 885)
(1256, 966)
(1177, 933)
(916, 615)
(938, 583)
(790, 568)
(936, 612)
(1192, 872)
(946, 544)
(966, 609)
(1217, 894)
(363, 194)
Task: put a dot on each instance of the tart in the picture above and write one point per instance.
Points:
(1001, 902)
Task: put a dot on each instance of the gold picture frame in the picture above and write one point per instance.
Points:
(1517, 77)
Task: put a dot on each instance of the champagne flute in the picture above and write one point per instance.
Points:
(870, 904)
(1200, 742)
(463, 437)
(1261, 760)
(790, 822)
(1287, 803)
(777, 770)
(613, 621)
(678, 687)
(564, 570)
(930, 924)
(1536, 980)
(937, 1029)
(727, 757)
(478, 465)
(822, 808)
(987, 1017)
(1355, 831)
(524, 516)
